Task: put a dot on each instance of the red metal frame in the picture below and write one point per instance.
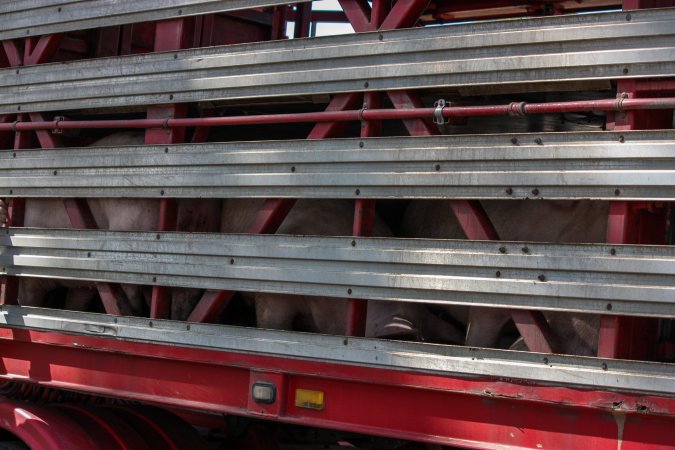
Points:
(472, 413)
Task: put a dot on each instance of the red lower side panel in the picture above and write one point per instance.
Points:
(473, 413)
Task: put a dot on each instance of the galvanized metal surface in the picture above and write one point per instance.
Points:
(637, 280)
(563, 49)
(632, 165)
(418, 357)
(36, 17)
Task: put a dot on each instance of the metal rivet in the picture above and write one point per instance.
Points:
(349, 291)
(542, 277)
(158, 236)
(154, 279)
(535, 191)
(609, 306)
(502, 249)
(166, 149)
(150, 324)
(622, 139)
(612, 252)
(17, 71)
(293, 169)
(498, 274)
(545, 360)
(438, 167)
(180, 11)
(538, 141)
(161, 192)
(366, 84)
(114, 319)
(27, 31)
(11, 191)
(353, 243)
(56, 172)
(628, 17)
(170, 96)
(175, 56)
(187, 327)
(604, 366)
(625, 70)
(509, 191)
(617, 192)
(380, 37)
(357, 192)
(344, 342)
(18, 108)
(361, 144)
(514, 141)
(88, 254)
(231, 260)
(14, 155)
(525, 250)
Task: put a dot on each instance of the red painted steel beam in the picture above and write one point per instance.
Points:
(358, 14)
(169, 35)
(364, 217)
(448, 410)
(404, 14)
(633, 222)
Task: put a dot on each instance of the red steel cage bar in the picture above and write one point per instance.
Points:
(467, 411)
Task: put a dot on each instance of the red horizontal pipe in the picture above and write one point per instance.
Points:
(515, 109)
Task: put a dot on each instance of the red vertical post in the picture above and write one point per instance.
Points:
(169, 35)
(634, 223)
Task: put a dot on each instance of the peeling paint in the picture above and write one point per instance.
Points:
(620, 419)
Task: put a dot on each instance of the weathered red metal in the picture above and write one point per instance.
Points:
(468, 412)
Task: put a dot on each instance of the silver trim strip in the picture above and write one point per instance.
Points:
(562, 166)
(564, 49)
(595, 373)
(633, 280)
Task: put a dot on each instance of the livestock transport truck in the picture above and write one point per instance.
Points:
(548, 111)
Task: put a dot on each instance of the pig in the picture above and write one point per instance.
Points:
(526, 220)
(114, 214)
(396, 320)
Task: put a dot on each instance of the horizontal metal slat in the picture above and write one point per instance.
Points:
(595, 373)
(636, 280)
(524, 52)
(597, 165)
(37, 17)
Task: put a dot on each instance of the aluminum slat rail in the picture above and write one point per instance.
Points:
(634, 280)
(36, 17)
(598, 165)
(594, 373)
(565, 49)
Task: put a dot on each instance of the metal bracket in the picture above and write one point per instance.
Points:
(57, 120)
(438, 112)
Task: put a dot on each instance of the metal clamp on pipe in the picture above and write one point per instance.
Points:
(438, 112)
(56, 129)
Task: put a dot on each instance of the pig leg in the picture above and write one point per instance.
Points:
(485, 326)
(409, 321)
(276, 311)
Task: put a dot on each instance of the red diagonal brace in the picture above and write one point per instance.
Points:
(404, 14)
(358, 14)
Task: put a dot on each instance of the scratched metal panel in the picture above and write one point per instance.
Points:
(592, 165)
(511, 54)
(633, 280)
(37, 17)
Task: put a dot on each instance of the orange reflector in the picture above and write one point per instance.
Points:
(305, 398)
